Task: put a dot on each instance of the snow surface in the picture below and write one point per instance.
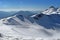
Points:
(20, 27)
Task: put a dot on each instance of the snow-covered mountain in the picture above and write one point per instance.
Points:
(45, 24)
(51, 10)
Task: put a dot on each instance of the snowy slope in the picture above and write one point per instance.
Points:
(51, 10)
(34, 25)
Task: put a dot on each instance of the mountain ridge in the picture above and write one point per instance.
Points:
(27, 23)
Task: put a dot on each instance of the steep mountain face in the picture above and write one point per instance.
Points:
(58, 10)
(41, 24)
(51, 10)
(49, 21)
(48, 18)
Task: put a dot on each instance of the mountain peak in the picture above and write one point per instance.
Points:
(51, 10)
(51, 7)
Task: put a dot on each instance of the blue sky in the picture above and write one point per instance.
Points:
(27, 4)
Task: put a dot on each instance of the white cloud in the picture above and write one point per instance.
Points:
(18, 9)
(9, 10)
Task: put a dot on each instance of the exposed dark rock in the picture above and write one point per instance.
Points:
(0, 35)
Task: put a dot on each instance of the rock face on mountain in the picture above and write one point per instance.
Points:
(0, 35)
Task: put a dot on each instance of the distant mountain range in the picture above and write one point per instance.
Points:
(4, 14)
